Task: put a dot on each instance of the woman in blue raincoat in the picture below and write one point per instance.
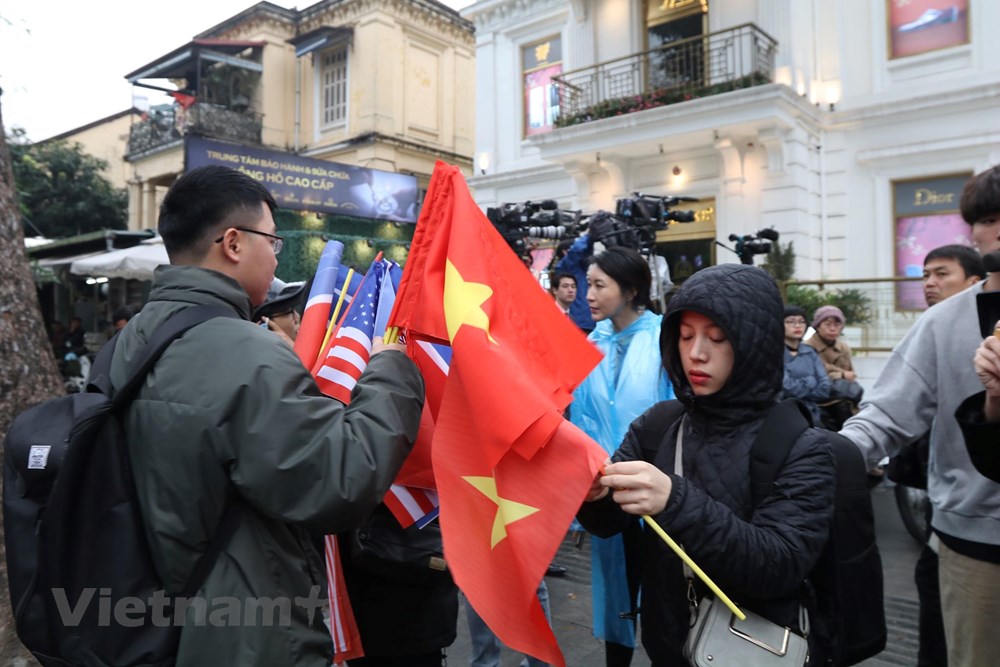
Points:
(624, 385)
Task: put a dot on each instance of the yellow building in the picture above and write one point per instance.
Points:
(385, 85)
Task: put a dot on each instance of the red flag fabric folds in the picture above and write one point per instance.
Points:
(510, 471)
(461, 274)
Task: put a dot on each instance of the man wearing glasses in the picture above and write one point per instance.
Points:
(229, 418)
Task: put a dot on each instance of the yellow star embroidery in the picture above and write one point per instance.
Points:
(508, 511)
(463, 303)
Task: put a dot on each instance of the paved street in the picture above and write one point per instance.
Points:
(570, 597)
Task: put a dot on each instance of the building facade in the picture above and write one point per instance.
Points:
(847, 126)
(378, 84)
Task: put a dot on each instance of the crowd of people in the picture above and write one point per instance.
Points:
(250, 433)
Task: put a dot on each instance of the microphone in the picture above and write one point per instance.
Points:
(991, 261)
(549, 205)
(770, 234)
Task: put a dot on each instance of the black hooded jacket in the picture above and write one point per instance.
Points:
(758, 557)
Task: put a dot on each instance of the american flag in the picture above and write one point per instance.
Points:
(413, 499)
(350, 349)
(347, 358)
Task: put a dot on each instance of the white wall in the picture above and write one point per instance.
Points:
(821, 175)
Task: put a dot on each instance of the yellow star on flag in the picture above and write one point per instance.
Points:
(508, 511)
(463, 303)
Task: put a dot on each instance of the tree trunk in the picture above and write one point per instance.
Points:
(28, 373)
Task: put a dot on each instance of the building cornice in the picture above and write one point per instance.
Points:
(492, 15)
(519, 176)
(427, 14)
(262, 12)
(973, 143)
(369, 138)
(978, 94)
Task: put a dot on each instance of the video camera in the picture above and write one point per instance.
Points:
(633, 224)
(749, 245)
(637, 219)
(541, 220)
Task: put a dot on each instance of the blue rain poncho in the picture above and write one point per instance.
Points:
(627, 382)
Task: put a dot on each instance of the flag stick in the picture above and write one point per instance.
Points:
(694, 567)
(391, 335)
(336, 311)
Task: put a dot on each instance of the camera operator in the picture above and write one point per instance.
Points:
(576, 261)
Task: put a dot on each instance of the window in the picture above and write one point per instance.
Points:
(333, 87)
(540, 62)
(926, 217)
(669, 21)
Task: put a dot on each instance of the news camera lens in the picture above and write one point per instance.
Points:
(680, 216)
(548, 232)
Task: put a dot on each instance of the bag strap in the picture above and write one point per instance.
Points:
(782, 427)
(666, 414)
(165, 334)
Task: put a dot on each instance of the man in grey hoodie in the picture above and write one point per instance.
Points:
(928, 375)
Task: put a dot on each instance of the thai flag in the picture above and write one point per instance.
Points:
(350, 348)
(316, 315)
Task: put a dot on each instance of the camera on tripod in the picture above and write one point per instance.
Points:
(749, 245)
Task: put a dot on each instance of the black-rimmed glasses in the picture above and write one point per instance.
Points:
(276, 241)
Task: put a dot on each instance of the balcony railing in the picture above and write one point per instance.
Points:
(699, 66)
(205, 120)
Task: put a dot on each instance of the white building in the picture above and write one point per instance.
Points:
(854, 125)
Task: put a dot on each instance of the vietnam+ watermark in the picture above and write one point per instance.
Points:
(162, 610)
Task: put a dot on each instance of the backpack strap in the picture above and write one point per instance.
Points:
(784, 423)
(164, 335)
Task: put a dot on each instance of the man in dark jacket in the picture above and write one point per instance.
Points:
(759, 556)
(229, 417)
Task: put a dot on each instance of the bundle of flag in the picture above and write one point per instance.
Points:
(337, 364)
(327, 286)
(509, 470)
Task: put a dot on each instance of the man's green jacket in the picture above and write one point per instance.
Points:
(229, 414)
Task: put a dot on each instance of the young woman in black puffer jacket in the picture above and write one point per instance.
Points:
(722, 345)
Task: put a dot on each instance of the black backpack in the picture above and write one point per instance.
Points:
(847, 582)
(74, 534)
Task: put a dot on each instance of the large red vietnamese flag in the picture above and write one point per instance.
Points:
(461, 273)
(510, 471)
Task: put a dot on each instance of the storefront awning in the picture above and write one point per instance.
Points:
(135, 263)
(60, 261)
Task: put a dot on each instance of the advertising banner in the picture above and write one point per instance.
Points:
(927, 217)
(307, 184)
(919, 26)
